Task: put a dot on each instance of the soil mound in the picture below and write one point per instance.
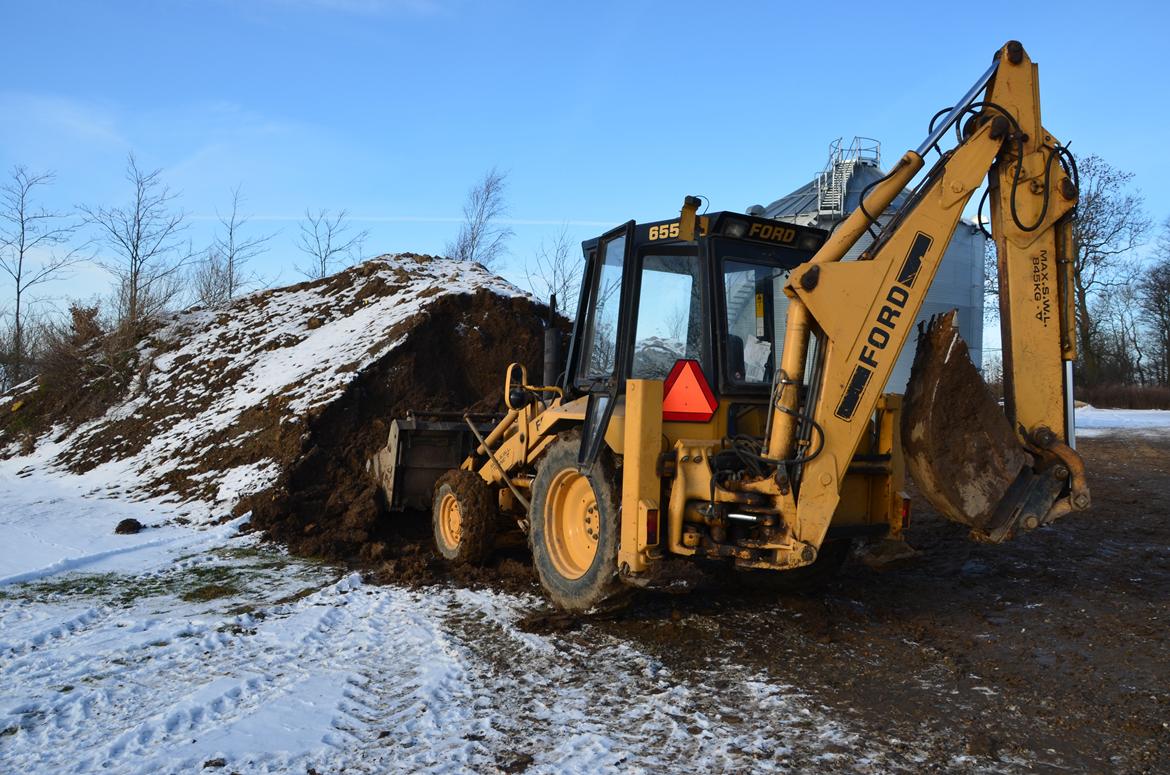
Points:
(275, 404)
(453, 360)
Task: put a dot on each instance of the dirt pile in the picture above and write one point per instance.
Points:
(275, 403)
(453, 359)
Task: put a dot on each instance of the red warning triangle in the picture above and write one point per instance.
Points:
(686, 396)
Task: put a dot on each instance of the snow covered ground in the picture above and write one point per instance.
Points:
(186, 647)
(1092, 421)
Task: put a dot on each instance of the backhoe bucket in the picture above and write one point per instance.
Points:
(959, 446)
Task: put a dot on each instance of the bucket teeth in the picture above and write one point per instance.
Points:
(960, 448)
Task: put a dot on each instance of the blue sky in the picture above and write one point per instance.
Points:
(599, 111)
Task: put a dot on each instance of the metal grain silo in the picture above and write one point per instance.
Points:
(829, 197)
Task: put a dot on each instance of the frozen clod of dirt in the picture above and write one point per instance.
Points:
(128, 526)
(275, 403)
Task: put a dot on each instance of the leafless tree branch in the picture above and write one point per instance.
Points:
(145, 239)
(222, 275)
(555, 269)
(482, 238)
(34, 249)
(323, 238)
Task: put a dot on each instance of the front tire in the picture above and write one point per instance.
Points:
(463, 517)
(574, 529)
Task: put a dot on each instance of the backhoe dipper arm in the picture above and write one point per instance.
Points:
(864, 311)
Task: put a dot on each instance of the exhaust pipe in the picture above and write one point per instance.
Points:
(552, 345)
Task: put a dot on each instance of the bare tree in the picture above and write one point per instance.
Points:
(324, 240)
(1120, 340)
(223, 274)
(145, 239)
(209, 281)
(33, 250)
(1110, 223)
(678, 320)
(482, 238)
(990, 281)
(555, 269)
(1154, 300)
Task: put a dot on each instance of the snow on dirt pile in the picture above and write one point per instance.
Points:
(274, 404)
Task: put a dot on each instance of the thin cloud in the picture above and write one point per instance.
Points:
(78, 120)
(418, 219)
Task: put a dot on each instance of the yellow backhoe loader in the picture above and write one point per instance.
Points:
(756, 432)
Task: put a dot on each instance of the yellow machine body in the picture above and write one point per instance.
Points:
(828, 450)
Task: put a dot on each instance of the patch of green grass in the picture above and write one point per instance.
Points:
(255, 572)
(242, 552)
(71, 584)
(208, 592)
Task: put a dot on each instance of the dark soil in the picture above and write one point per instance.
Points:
(450, 357)
(128, 527)
(1048, 653)
(454, 359)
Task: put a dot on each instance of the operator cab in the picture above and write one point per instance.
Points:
(650, 299)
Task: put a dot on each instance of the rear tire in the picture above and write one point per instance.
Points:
(574, 529)
(463, 517)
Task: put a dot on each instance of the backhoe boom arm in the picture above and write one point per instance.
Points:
(863, 312)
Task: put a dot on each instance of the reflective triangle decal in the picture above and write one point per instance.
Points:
(686, 396)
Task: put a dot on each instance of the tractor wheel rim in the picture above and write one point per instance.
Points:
(572, 524)
(450, 521)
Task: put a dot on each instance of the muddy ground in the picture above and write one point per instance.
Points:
(1051, 653)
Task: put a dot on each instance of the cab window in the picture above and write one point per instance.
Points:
(756, 310)
(600, 344)
(670, 315)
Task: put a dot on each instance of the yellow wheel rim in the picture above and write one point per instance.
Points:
(572, 524)
(450, 521)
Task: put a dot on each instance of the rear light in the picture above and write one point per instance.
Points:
(905, 512)
(651, 527)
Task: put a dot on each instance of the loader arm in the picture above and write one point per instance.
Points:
(1017, 472)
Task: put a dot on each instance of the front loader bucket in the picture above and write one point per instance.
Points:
(960, 448)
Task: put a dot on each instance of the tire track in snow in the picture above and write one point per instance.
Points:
(385, 679)
(74, 625)
(587, 702)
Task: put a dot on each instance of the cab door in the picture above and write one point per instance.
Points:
(602, 352)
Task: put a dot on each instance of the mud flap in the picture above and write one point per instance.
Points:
(960, 448)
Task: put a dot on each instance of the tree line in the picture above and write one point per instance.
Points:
(154, 267)
(1121, 279)
(1122, 294)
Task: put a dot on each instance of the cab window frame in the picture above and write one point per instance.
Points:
(721, 250)
(682, 249)
(581, 347)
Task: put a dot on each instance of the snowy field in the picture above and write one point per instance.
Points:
(1092, 421)
(187, 649)
(180, 649)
